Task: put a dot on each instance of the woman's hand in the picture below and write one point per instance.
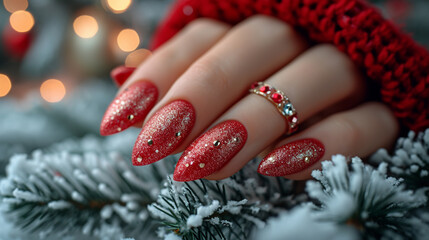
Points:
(200, 79)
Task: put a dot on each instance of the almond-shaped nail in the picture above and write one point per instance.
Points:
(121, 74)
(211, 151)
(292, 158)
(164, 132)
(129, 107)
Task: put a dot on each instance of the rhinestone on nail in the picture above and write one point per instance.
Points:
(202, 165)
(130, 117)
(139, 159)
(307, 159)
(178, 134)
(150, 142)
(216, 143)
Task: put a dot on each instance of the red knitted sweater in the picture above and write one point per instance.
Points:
(387, 56)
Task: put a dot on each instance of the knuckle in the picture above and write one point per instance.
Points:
(259, 23)
(210, 72)
(339, 62)
(202, 24)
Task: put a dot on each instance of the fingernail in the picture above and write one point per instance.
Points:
(292, 158)
(121, 74)
(129, 107)
(164, 132)
(211, 151)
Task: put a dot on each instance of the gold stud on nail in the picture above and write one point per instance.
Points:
(216, 143)
(119, 129)
(139, 159)
(202, 165)
(149, 142)
(187, 165)
(307, 159)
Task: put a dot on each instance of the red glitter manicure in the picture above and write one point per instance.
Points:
(121, 74)
(164, 132)
(211, 151)
(129, 107)
(292, 157)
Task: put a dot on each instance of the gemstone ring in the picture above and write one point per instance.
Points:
(281, 101)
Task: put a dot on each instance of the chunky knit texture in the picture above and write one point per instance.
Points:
(399, 67)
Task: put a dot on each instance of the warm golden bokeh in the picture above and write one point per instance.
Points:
(118, 6)
(52, 90)
(15, 5)
(85, 26)
(21, 21)
(138, 56)
(128, 40)
(5, 85)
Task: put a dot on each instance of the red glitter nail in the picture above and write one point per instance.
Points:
(129, 107)
(164, 132)
(211, 151)
(292, 157)
(121, 74)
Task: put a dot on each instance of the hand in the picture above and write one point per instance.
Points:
(199, 80)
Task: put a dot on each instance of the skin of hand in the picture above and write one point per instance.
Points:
(192, 95)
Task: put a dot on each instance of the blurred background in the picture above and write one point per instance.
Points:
(70, 40)
(55, 59)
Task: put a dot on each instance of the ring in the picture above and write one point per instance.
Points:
(281, 101)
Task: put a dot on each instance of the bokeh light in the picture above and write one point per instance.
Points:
(15, 5)
(85, 26)
(128, 40)
(118, 6)
(5, 85)
(138, 56)
(21, 21)
(52, 90)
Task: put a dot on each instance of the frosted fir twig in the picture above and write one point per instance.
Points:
(410, 159)
(89, 193)
(302, 223)
(364, 197)
(226, 209)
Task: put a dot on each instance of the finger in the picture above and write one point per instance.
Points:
(151, 80)
(357, 132)
(214, 82)
(327, 83)
(121, 73)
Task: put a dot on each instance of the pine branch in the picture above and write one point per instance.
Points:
(410, 160)
(63, 193)
(227, 209)
(366, 198)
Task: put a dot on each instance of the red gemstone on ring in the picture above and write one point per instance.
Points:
(264, 89)
(254, 85)
(277, 97)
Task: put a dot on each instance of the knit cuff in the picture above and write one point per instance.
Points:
(391, 58)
